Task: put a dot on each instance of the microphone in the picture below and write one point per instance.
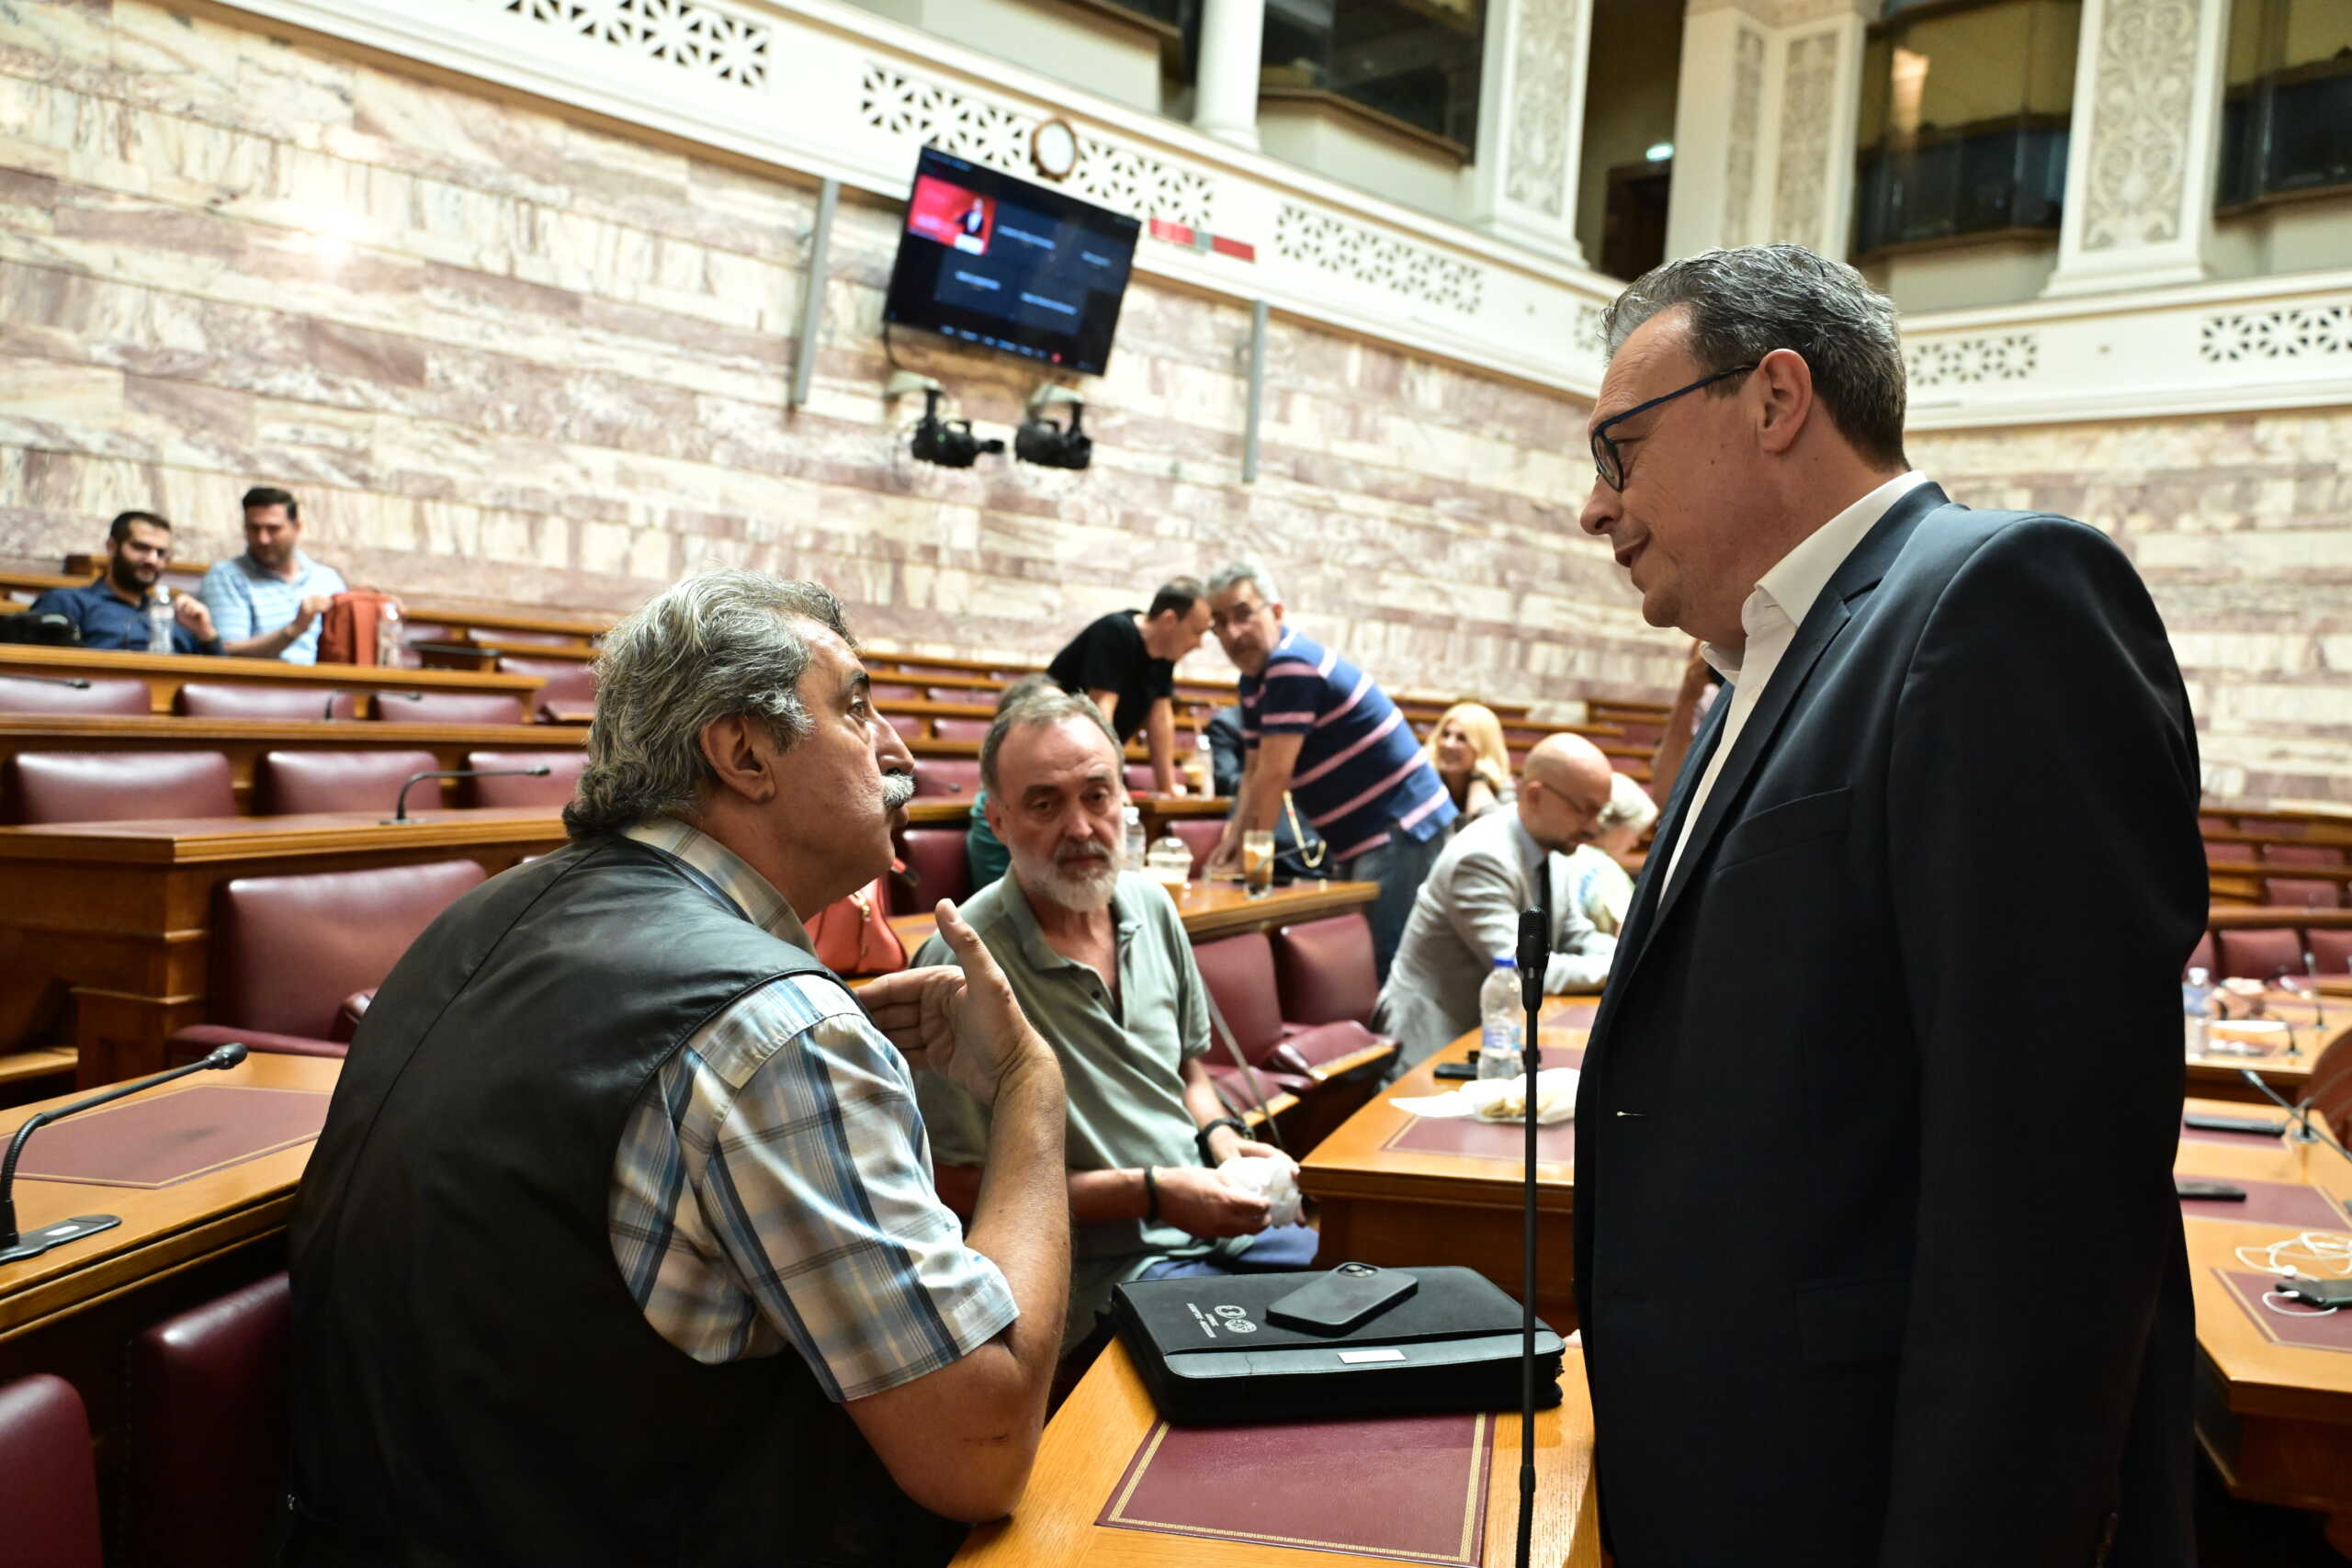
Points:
(1534, 948)
(2304, 1132)
(12, 1246)
(2319, 1002)
(76, 682)
(366, 691)
(399, 806)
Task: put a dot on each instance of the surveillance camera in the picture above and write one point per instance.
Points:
(1049, 445)
(949, 442)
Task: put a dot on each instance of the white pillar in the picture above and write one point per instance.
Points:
(1764, 124)
(1523, 178)
(2141, 151)
(1225, 91)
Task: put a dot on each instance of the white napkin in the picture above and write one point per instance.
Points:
(1503, 1100)
(1268, 1178)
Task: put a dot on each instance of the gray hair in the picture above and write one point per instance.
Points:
(1629, 805)
(719, 644)
(1743, 304)
(1245, 571)
(1044, 705)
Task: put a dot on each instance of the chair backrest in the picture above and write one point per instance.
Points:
(571, 683)
(2330, 1086)
(453, 707)
(938, 777)
(287, 950)
(2200, 956)
(1323, 971)
(1140, 778)
(117, 786)
(287, 782)
(48, 1487)
(104, 694)
(2301, 893)
(941, 867)
(961, 728)
(1239, 973)
(553, 792)
(1200, 835)
(208, 1430)
(2258, 955)
(2332, 951)
(2300, 854)
(225, 699)
(894, 691)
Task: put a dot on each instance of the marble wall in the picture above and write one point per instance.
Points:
(508, 357)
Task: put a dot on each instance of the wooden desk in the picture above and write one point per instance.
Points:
(2275, 1418)
(1093, 1436)
(1212, 909)
(120, 912)
(243, 740)
(2215, 1074)
(1402, 1206)
(165, 672)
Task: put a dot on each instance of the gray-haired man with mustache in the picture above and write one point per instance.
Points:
(1101, 964)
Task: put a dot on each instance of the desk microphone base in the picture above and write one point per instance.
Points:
(34, 1242)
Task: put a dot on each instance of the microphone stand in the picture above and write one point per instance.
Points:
(399, 806)
(2304, 1132)
(1534, 948)
(14, 1246)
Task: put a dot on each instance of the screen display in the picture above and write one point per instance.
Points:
(992, 260)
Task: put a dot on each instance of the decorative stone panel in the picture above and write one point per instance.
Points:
(2307, 333)
(1349, 250)
(1965, 361)
(716, 45)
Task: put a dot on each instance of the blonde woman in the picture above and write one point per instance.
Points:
(1467, 750)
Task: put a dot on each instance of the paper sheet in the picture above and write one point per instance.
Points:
(1503, 1100)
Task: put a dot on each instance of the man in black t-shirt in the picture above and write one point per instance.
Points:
(1126, 662)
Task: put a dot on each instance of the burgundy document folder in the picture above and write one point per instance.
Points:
(1408, 1487)
(2285, 1322)
(171, 1137)
(2268, 1203)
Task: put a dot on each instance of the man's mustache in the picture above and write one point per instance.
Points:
(897, 790)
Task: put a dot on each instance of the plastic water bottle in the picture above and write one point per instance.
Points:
(1502, 1031)
(387, 633)
(2196, 1010)
(1135, 838)
(159, 620)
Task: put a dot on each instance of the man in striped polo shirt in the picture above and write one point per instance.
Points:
(1317, 730)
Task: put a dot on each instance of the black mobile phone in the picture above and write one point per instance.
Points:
(1343, 1299)
(2207, 1191)
(2205, 1122)
(1454, 1070)
(2317, 1292)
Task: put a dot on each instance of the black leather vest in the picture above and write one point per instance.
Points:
(472, 1381)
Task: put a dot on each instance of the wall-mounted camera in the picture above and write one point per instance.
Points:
(949, 442)
(1050, 445)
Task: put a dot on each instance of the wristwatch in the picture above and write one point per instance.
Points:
(1201, 1138)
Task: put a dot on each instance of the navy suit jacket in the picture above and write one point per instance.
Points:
(1877, 1253)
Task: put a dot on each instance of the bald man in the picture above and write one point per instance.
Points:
(1467, 914)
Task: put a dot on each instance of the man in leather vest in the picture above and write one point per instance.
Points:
(621, 1245)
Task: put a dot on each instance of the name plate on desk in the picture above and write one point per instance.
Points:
(170, 1138)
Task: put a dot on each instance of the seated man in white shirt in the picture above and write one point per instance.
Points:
(1467, 914)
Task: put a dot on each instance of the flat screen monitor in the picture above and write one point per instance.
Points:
(1003, 263)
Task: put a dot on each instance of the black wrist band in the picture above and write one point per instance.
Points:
(1201, 1138)
(1150, 1198)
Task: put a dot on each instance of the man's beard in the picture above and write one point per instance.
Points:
(1082, 883)
(125, 576)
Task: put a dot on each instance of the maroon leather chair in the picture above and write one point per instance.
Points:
(1140, 778)
(1239, 973)
(947, 777)
(453, 707)
(1200, 835)
(961, 728)
(2225, 855)
(2258, 955)
(2301, 893)
(2330, 1088)
(101, 693)
(571, 683)
(2332, 951)
(289, 781)
(2201, 957)
(48, 1488)
(223, 699)
(206, 1395)
(1323, 971)
(553, 792)
(286, 951)
(117, 786)
(2299, 855)
(942, 869)
(895, 692)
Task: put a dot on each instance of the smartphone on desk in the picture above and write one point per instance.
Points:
(1347, 1297)
(2317, 1292)
(2192, 1188)
(1454, 1070)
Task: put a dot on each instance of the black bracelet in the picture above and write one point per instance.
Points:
(1201, 1138)
(1150, 1198)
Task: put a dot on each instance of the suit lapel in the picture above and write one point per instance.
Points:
(1856, 577)
(1641, 914)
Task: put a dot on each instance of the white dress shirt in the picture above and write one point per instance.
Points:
(1771, 614)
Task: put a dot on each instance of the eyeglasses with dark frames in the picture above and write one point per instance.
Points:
(1608, 462)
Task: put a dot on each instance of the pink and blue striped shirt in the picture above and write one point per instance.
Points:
(1361, 776)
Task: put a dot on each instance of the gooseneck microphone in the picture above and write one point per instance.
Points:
(366, 691)
(2304, 1132)
(14, 1246)
(1535, 951)
(76, 682)
(399, 806)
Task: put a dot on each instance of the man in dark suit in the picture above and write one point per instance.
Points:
(1855, 1288)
